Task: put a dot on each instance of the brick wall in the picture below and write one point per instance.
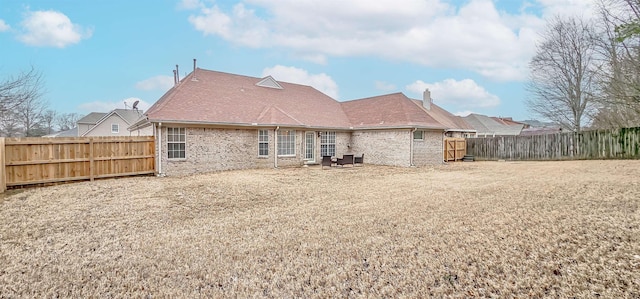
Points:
(383, 147)
(209, 150)
(215, 149)
(430, 150)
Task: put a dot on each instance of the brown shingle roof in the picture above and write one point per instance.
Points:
(392, 110)
(211, 97)
(223, 98)
(92, 118)
(450, 121)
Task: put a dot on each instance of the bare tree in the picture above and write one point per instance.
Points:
(29, 114)
(620, 74)
(9, 125)
(17, 89)
(49, 119)
(563, 73)
(627, 13)
(67, 121)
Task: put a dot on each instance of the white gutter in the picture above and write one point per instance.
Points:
(159, 132)
(411, 147)
(275, 146)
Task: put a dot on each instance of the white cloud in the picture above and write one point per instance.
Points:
(190, 4)
(242, 26)
(107, 106)
(580, 8)
(51, 28)
(384, 86)
(321, 82)
(315, 58)
(432, 33)
(4, 26)
(162, 83)
(464, 93)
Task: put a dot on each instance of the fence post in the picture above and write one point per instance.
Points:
(91, 159)
(3, 169)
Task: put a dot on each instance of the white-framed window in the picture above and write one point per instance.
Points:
(176, 143)
(286, 143)
(115, 128)
(263, 143)
(328, 144)
(418, 135)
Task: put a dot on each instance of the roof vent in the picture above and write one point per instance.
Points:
(194, 78)
(269, 82)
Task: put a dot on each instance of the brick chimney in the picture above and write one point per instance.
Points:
(426, 99)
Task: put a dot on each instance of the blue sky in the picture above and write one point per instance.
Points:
(96, 55)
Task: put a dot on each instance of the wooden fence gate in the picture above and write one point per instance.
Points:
(26, 161)
(454, 149)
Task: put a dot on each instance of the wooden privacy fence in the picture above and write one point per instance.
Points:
(454, 149)
(26, 161)
(621, 143)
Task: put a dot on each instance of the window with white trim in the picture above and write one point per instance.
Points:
(176, 143)
(328, 144)
(286, 143)
(263, 143)
(418, 135)
(115, 128)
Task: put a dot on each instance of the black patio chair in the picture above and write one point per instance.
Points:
(346, 159)
(326, 161)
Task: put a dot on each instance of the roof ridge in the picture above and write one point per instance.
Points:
(287, 114)
(101, 120)
(373, 97)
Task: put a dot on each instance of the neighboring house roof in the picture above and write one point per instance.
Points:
(68, 133)
(129, 117)
(538, 124)
(217, 98)
(450, 121)
(92, 118)
(485, 125)
(509, 121)
(212, 97)
(541, 131)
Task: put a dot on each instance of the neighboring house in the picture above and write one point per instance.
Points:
(68, 133)
(114, 123)
(215, 121)
(535, 127)
(486, 126)
(542, 131)
(510, 122)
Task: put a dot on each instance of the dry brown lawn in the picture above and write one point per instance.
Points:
(488, 229)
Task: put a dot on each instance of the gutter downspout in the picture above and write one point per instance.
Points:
(275, 146)
(159, 132)
(444, 161)
(411, 147)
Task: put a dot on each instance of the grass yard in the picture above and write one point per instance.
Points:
(484, 229)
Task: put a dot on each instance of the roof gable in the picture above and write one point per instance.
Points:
(92, 118)
(269, 82)
(128, 116)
